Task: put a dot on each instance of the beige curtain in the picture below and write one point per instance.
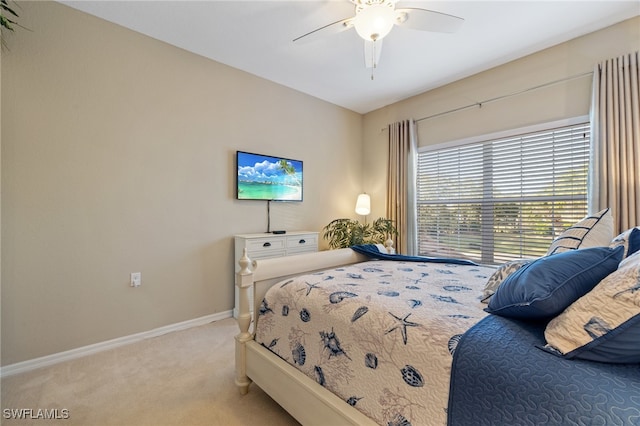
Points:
(401, 184)
(615, 141)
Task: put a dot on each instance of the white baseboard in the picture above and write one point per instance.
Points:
(32, 364)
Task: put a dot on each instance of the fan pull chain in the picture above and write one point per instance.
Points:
(374, 37)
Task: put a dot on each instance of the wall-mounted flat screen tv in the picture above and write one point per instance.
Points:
(264, 177)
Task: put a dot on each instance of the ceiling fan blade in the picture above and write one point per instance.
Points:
(372, 50)
(329, 29)
(428, 20)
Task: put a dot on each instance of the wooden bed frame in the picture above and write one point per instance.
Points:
(303, 398)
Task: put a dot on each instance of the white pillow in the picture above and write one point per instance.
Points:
(591, 231)
(604, 324)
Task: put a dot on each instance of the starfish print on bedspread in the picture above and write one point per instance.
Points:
(402, 324)
(311, 286)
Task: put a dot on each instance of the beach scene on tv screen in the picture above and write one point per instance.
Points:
(267, 178)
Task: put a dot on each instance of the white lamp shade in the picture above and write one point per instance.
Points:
(363, 204)
(375, 21)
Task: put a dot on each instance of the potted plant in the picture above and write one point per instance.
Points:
(342, 233)
(7, 19)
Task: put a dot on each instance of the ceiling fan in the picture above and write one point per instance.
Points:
(374, 19)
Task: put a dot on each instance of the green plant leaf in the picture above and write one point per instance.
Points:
(5, 7)
(342, 233)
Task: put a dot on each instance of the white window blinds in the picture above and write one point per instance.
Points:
(502, 199)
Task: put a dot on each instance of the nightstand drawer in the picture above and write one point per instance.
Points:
(302, 243)
(265, 244)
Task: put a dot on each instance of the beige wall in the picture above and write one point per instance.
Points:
(118, 157)
(559, 101)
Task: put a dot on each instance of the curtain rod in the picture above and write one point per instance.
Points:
(498, 98)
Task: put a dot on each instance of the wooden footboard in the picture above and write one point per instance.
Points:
(302, 397)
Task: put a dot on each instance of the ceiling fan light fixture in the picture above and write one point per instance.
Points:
(375, 21)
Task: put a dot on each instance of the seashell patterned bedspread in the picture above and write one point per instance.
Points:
(379, 334)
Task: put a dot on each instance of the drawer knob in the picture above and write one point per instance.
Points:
(302, 241)
(267, 244)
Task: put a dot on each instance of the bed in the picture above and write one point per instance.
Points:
(372, 337)
(308, 370)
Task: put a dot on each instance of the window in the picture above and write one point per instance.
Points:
(502, 199)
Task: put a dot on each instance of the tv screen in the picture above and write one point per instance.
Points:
(263, 177)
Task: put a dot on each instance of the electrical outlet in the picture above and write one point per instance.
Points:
(136, 279)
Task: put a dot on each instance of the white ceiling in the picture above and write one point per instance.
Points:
(256, 36)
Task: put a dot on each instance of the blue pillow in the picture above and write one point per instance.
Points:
(634, 241)
(548, 285)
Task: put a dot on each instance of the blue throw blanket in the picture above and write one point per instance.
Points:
(372, 251)
(500, 377)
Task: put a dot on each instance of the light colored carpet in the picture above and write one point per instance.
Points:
(180, 378)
